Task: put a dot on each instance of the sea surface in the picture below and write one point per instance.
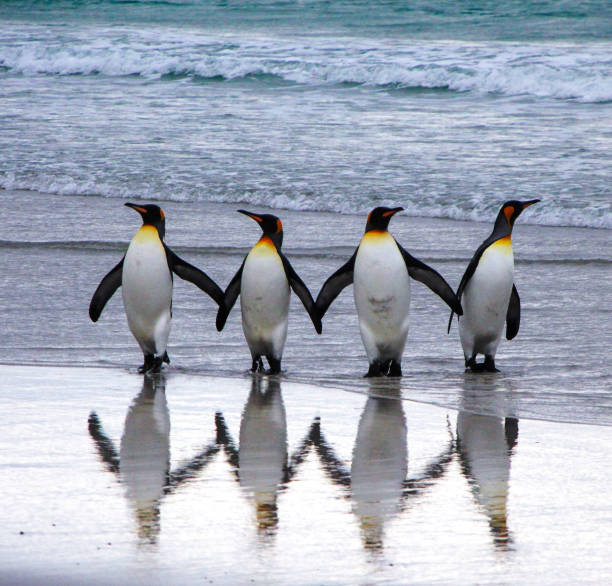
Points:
(444, 108)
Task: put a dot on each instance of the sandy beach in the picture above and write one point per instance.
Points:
(116, 478)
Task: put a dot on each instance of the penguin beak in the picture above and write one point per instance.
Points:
(251, 215)
(142, 211)
(526, 204)
(392, 212)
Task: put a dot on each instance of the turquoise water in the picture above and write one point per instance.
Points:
(444, 108)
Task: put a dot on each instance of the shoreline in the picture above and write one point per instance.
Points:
(487, 404)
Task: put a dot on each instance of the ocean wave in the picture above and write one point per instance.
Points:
(554, 211)
(574, 72)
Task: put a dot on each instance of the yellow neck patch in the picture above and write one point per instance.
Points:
(265, 244)
(147, 233)
(374, 236)
(503, 244)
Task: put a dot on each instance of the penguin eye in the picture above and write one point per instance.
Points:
(509, 212)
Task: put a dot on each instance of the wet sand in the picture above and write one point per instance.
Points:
(111, 477)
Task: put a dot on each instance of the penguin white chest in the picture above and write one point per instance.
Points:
(382, 295)
(486, 297)
(147, 290)
(264, 299)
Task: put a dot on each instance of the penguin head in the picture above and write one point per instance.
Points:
(512, 209)
(378, 218)
(271, 226)
(152, 215)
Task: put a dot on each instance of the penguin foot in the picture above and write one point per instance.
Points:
(275, 365)
(166, 358)
(257, 365)
(395, 368)
(152, 363)
(387, 368)
(489, 364)
(374, 370)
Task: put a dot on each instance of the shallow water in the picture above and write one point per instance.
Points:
(186, 478)
(56, 250)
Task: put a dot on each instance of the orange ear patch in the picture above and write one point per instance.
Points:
(161, 213)
(279, 226)
(509, 212)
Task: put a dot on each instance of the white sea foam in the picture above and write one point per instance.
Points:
(553, 211)
(562, 71)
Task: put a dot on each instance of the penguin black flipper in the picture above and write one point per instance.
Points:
(106, 289)
(469, 272)
(229, 298)
(419, 271)
(302, 292)
(342, 278)
(194, 275)
(513, 316)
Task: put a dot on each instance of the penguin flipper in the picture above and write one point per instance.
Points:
(342, 278)
(513, 315)
(302, 292)
(419, 271)
(229, 298)
(194, 275)
(106, 289)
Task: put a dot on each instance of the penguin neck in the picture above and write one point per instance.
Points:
(502, 228)
(161, 229)
(375, 232)
(276, 239)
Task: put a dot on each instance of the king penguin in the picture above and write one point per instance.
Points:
(145, 274)
(488, 294)
(263, 283)
(380, 269)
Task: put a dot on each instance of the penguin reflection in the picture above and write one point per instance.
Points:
(485, 444)
(260, 462)
(380, 463)
(143, 462)
(377, 482)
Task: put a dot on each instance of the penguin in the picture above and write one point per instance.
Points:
(380, 269)
(488, 294)
(263, 282)
(145, 274)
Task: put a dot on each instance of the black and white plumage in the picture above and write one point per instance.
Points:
(380, 270)
(145, 274)
(263, 282)
(488, 294)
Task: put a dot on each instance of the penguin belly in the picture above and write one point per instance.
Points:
(147, 291)
(381, 286)
(485, 300)
(264, 301)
